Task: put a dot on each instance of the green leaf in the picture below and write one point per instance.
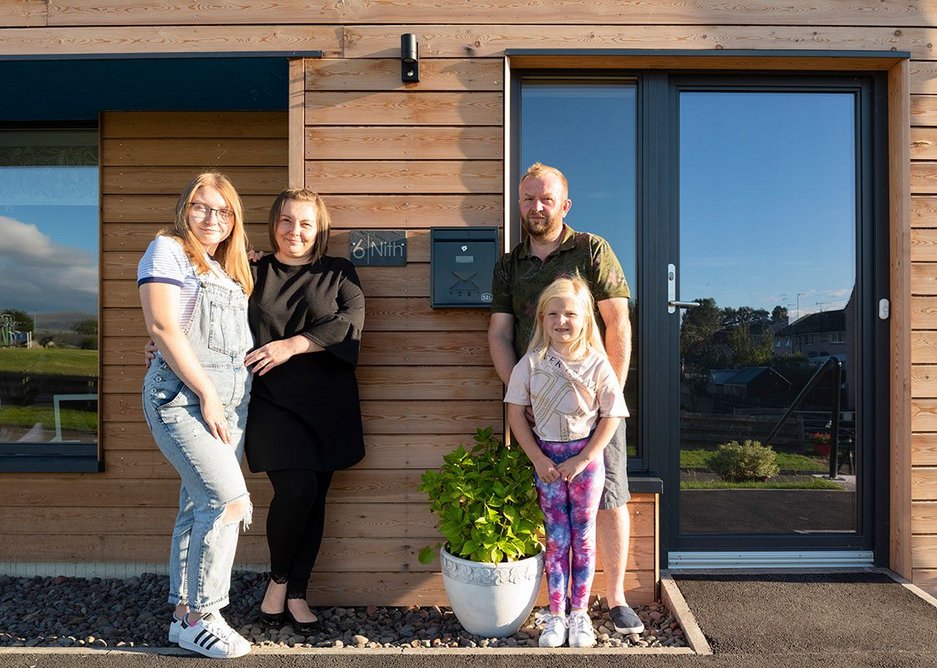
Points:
(427, 554)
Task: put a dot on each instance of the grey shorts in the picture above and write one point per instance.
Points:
(616, 493)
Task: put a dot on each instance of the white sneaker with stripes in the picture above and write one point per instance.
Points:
(212, 637)
(175, 627)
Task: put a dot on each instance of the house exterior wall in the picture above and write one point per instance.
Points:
(411, 156)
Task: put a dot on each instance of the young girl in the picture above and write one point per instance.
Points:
(194, 281)
(577, 403)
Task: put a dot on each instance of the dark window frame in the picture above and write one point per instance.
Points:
(657, 181)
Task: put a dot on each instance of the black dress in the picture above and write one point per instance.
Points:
(305, 413)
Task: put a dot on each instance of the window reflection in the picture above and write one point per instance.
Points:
(767, 246)
(587, 129)
(49, 279)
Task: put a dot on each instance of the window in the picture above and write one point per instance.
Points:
(599, 159)
(49, 360)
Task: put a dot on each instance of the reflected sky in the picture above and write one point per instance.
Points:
(49, 238)
(768, 199)
(588, 132)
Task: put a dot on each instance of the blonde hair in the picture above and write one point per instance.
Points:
(538, 170)
(231, 253)
(589, 339)
(323, 219)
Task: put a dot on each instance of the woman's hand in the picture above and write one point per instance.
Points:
(213, 414)
(546, 470)
(149, 352)
(269, 356)
(572, 467)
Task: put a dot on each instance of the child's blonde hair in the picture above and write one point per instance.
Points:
(589, 338)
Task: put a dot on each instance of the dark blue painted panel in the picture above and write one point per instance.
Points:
(77, 90)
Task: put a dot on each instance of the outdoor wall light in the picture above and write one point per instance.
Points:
(409, 58)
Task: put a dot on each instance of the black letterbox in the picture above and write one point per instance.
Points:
(461, 263)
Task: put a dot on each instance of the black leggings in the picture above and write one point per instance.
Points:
(294, 525)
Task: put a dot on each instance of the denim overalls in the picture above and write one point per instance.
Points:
(202, 550)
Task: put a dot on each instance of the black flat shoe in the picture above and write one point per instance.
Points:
(303, 628)
(272, 618)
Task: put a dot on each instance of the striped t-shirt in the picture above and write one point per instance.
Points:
(166, 262)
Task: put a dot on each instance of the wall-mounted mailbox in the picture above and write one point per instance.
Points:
(461, 263)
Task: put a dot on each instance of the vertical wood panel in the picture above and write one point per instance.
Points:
(297, 122)
(899, 121)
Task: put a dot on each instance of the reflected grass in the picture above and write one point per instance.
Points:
(699, 459)
(806, 483)
(27, 416)
(53, 361)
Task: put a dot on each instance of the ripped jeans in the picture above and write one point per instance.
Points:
(213, 499)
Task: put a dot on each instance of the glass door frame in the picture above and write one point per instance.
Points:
(657, 241)
(871, 285)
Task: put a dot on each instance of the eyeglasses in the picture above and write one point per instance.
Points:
(203, 211)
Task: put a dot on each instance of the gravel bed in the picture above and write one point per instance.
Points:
(72, 612)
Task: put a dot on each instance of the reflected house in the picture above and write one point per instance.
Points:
(815, 335)
(746, 387)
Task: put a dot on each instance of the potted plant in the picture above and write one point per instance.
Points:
(821, 443)
(492, 559)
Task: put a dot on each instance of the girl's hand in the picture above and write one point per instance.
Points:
(213, 414)
(572, 467)
(546, 470)
(268, 356)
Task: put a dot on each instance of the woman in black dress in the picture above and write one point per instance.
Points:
(304, 422)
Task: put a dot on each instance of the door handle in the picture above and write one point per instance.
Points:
(672, 302)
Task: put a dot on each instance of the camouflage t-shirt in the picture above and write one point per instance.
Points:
(520, 277)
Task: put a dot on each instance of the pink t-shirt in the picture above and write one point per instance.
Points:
(567, 396)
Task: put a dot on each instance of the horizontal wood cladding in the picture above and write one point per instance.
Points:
(220, 153)
(23, 13)
(378, 348)
(196, 124)
(347, 555)
(924, 450)
(150, 180)
(126, 452)
(400, 416)
(463, 383)
(418, 143)
(344, 520)
(382, 314)
(450, 74)
(199, 39)
(451, 41)
(348, 211)
(403, 108)
(409, 281)
(801, 12)
(489, 40)
(404, 176)
(923, 212)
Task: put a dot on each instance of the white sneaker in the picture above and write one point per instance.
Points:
(554, 633)
(174, 628)
(212, 637)
(581, 632)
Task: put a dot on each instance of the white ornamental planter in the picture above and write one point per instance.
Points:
(491, 600)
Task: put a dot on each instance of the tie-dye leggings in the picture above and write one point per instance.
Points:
(569, 510)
